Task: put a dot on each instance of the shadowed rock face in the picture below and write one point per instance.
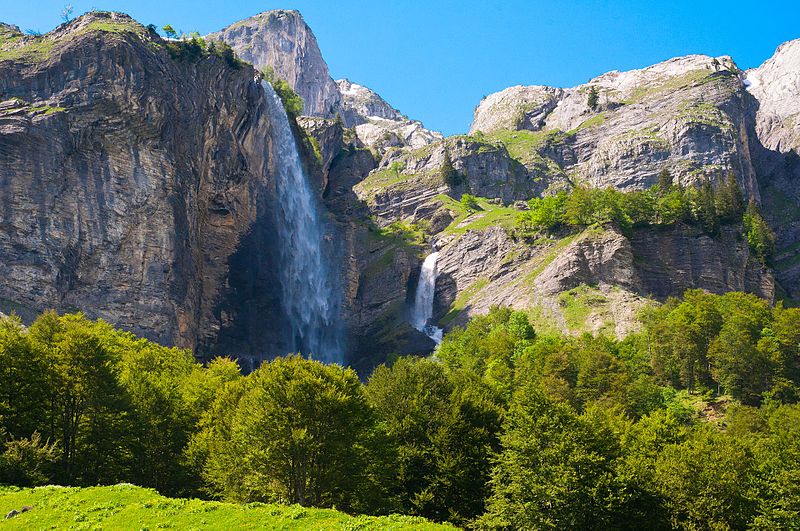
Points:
(137, 188)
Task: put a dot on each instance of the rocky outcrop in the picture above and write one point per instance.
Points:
(282, 41)
(607, 274)
(407, 184)
(359, 102)
(687, 114)
(137, 187)
(776, 87)
(516, 108)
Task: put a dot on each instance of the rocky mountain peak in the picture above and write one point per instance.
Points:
(776, 87)
(360, 102)
(283, 41)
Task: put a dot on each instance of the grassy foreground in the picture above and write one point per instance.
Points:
(130, 507)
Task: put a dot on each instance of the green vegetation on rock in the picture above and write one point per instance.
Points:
(481, 214)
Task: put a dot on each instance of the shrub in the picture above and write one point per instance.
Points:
(470, 202)
(292, 102)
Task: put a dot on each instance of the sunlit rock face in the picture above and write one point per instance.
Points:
(282, 40)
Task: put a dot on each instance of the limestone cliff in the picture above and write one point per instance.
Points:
(775, 122)
(282, 40)
(136, 186)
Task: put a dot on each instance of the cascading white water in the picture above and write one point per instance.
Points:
(309, 297)
(422, 311)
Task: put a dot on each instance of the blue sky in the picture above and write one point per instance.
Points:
(434, 60)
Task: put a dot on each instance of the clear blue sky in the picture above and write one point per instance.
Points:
(434, 60)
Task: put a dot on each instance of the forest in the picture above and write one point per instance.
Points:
(691, 423)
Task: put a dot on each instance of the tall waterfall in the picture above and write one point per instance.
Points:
(308, 294)
(422, 311)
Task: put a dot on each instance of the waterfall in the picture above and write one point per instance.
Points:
(422, 311)
(308, 296)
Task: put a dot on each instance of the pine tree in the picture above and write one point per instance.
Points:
(450, 176)
(729, 200)
(664, 180)
(706, 209)
(591, 99)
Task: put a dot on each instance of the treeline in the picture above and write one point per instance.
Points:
(663, 204)
(505, 428)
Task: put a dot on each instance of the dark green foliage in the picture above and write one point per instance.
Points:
(728, 200)
(663, 204)
(450, 175)
(759, 236)
(27, 462)
(113, 407)
(592, 97)
(291, 101)
(664, 180)
(293, 434)
(194, 48)
(470, 202)
(440, 433)
(733, 343)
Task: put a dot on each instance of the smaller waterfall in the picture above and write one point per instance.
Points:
(422, 311)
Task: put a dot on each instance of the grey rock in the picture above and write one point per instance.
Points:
(281, 40)
(138, 189)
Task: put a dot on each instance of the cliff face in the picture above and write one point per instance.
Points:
(135, 187)
(687, 114)
(138, 186)
(775, 122)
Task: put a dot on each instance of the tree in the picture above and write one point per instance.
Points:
(729, 200)
(759, 236)
(441, 431)
(703, 481)
(579, 207)
(704, 208)
(27, 462)
(552, 471)
(170, 31)
(450, 175)
(66, 13)
(592, 97)
(664, 180)
(292, 102)
(470, 203)
(739, 366)
(294, 435)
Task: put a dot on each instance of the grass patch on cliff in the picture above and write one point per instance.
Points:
(31, 49)
(486, 215)
(704, 114)
(594, 121)
(693, 78)
(579, 303)
(129, 507)
(462, 300)
(113, 27)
